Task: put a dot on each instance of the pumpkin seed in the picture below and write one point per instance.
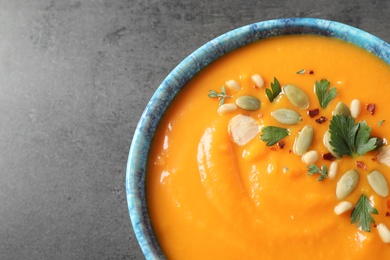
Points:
(296, 96)
(342, 207)
(304, 140)
(342, 109)
(378, 183)
(347, 184)
(327, 144)
(286, 116)
(248, 102)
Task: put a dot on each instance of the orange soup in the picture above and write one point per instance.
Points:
(240, 169)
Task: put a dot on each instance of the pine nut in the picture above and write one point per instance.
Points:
(384, 155)
(333, 170)
(342, 207)
(233, 85)
(384, 232)
(258, 80)
(355, 108)
(310, 157)
(226, 108)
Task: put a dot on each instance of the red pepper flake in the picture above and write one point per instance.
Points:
(361, 164)
(373, 159)
(370, 108)
(311, 72)
(281, 144)
(321, 120)
(387, 214)
(328, 157)
(272, 148)
(388, 204)
(313, 112)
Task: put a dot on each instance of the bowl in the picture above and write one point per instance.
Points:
(174, 82)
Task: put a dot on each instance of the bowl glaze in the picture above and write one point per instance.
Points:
(143, 135)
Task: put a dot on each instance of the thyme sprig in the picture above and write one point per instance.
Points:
(220, 95)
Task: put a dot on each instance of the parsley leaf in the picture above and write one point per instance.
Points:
(276, 89)
(324, 94)
(349, 138)
(342, 134)
(273, 134)
(361, 214)
(363, 141)
(314, 169)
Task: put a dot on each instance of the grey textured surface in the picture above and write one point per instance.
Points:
(74, 79)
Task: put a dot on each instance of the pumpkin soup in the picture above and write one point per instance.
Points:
(276, 150)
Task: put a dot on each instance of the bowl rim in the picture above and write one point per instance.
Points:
(185, 70)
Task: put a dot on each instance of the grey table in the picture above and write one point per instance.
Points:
(75, 77)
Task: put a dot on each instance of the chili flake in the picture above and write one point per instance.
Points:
(370, 108)
(321, 119)
(328, 157)
(361, 164)
(313, 112)
(281, 144)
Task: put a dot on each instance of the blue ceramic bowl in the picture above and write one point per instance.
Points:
(174, 82)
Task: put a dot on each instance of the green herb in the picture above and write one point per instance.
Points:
(221, 96)
(349, 138)
(324, 94)
(301, 71)
(381, 122)
(361, 214)
(363, 141)
(273, 134)
(274, 91)
(314, 169)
